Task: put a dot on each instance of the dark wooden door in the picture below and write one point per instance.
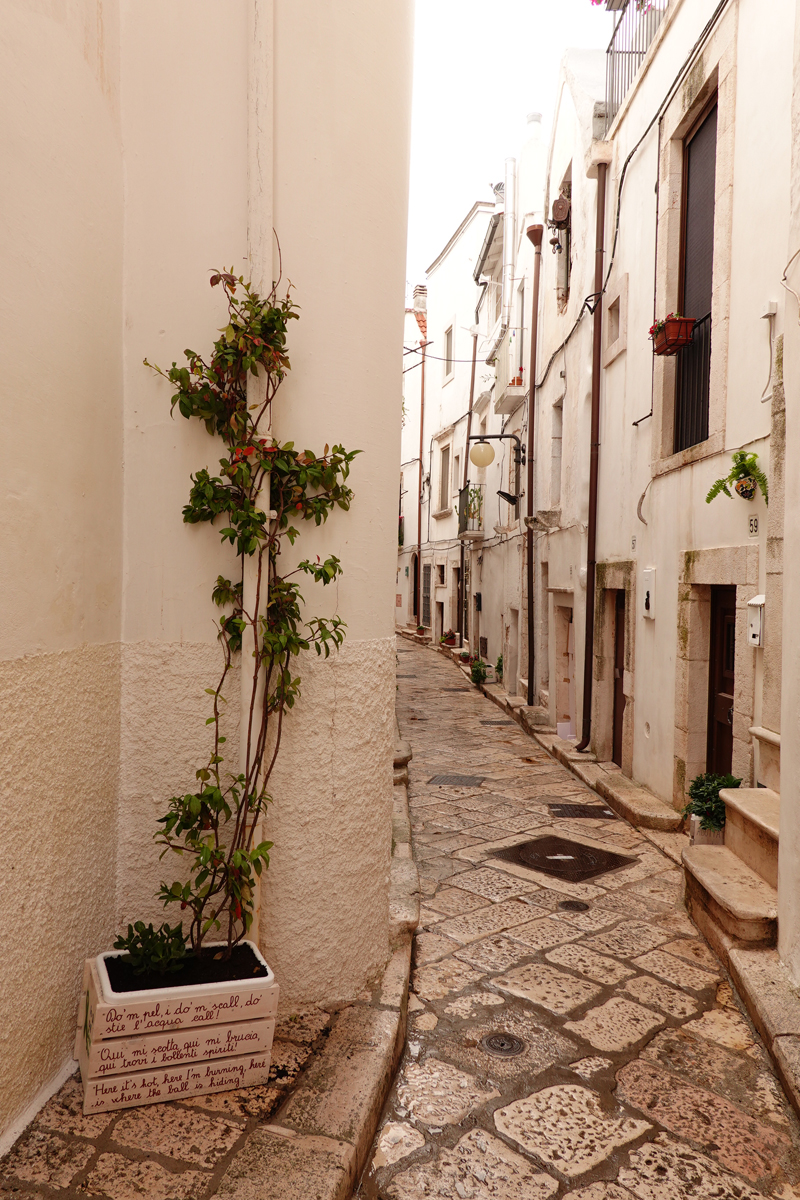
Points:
(720, 680)
(619, 675)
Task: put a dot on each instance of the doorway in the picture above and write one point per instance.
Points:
(722, 657)
(619, 676)
(414, 586)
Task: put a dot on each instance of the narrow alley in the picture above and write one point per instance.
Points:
(570, 1033)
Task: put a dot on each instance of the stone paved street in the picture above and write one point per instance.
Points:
(621, 1063)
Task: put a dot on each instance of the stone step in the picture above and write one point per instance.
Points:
(728, 901)
(752, 820)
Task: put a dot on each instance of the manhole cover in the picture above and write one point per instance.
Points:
(502, 1045)
(573, 906)
(563, 858)
(405, 677)
(457, 780)
(497, 722)
(590, 811)
(457, 689)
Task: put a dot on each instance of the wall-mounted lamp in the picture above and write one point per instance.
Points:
(481, 454)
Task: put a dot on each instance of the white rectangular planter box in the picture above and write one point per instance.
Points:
(705, 837)
(164, 1043)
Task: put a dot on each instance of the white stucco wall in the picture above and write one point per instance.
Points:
(127, 177)
(60, 457)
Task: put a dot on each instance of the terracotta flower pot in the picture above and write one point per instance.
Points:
(746, 487)
(675, 333)
(170, 1043)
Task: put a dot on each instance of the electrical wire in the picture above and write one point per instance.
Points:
(784, 284)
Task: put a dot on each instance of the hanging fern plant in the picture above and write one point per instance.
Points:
(746, 477)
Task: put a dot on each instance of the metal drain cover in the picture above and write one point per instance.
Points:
(457, 689)
(563, 858)
(457, 780)
(502, 1045)
(590, 811)
(405, 677)
(573, 906)
(497, 722)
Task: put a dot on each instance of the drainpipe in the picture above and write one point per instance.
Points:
(419, 497)
(534, 233)
(509, 238)
(591, 548)
(460, 621)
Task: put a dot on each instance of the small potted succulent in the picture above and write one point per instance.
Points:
(746, 477)
(671, 334)
(705, 809)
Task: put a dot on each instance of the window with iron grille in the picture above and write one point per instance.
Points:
(696, 276)
(426, 595)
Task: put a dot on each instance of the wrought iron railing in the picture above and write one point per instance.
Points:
(633, 33)
(692, 387)
(470, 510)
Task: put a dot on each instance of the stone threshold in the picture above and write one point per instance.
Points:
(317, 1143)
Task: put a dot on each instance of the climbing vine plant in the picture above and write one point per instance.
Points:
(261, 493)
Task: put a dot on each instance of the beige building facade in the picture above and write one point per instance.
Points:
(690, 640)
(145, 145)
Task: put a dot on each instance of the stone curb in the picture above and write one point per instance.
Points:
(632, 801)
(317, 1144)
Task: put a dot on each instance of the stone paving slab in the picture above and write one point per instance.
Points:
(626, 1068)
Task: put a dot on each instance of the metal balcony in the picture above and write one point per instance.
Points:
(471, 507)
(509, 389)
(633, 33)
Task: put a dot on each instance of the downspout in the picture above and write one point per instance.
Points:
(591, 548)
(419, 497)
(534, 233)
(509, 246)
(460, 621)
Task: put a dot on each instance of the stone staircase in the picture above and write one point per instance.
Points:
(731, 890)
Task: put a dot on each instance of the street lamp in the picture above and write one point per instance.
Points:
(481, 454)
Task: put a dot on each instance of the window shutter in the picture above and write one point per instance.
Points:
(697, 272)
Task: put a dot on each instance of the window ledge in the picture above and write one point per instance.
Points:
(443, 512)
(715, 444)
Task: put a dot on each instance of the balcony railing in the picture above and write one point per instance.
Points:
(693, 387)
(633, 33)
(509, 388)
(471, 511)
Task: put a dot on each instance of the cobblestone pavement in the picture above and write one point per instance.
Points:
(566, 1038)
(176, 1151)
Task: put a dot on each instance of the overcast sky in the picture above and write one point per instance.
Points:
(480, 66)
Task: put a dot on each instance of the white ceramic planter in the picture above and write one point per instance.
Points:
(705, 837)
(164, 1043)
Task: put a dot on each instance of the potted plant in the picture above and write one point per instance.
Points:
(746, 477)
(478, 672)
(420, 629)
(203, 1000)
(449, 638)
(498, 669)
(705, 809)
(671, 334)
(464, 656)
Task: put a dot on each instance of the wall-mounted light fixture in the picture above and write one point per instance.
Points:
(482, 454)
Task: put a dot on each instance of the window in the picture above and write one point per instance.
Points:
(693, 374)
(498, 300)
(448, 352)
(444, 479)
(456, 473)
(440, 574)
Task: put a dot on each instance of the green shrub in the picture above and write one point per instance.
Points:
(478, 672)
(160, 950)
(705, 802)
